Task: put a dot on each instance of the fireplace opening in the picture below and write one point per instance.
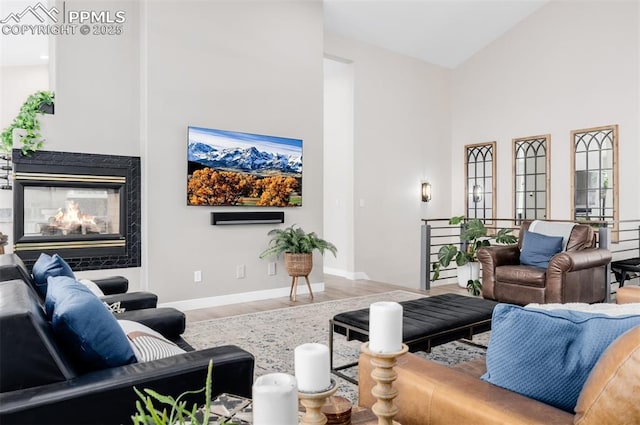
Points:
(61, 211)
(84, 207)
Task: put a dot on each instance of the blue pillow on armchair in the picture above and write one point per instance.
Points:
(85, 328)
(548, 355)
(47, 266)
(537, 249)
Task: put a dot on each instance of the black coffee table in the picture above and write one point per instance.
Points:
(427, 322)
(625, 269)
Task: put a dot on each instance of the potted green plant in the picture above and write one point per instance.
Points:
(149, 414)
(297, 247)
(27, 120)
(473, 235)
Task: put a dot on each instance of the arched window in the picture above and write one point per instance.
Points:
(480, 200)
(531, 159)
(594, 174)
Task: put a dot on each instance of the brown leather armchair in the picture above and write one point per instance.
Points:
(577, 274)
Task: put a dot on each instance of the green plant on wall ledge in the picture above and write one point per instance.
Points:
(27, 120)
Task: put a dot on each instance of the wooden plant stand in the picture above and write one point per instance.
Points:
(294, 287)
(298, 265)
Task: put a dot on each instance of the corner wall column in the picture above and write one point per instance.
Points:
(425, 254)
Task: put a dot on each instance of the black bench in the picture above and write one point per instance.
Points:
(625, 269)
(427, 322)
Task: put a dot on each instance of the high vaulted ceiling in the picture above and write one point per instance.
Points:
(442, 32)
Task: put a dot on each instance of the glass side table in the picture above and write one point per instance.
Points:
(233, 409)
(237, 410)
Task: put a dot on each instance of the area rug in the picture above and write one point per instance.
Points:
(272, 336)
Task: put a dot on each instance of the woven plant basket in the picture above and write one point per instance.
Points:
(298, 264)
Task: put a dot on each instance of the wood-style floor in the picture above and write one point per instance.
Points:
(336, 288)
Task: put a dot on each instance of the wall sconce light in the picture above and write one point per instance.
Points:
(477, 193)
(426, 191)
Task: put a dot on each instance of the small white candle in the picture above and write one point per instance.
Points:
(275, 400)
(312, 367)
(385, 327)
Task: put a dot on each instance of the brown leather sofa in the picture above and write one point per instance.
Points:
(628, 294)
(577, 274)
(432, 394)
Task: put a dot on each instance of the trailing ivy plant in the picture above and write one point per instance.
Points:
(148, 414)
(27, 120)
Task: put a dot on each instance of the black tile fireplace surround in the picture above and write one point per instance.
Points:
(114, 242)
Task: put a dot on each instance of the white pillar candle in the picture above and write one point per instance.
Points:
(385, 327)
(312, 367)
(275, 400)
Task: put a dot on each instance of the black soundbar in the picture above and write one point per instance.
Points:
(254, 217)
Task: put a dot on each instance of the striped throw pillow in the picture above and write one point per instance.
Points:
(147, 344)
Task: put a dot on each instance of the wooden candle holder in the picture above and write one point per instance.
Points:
(384, 375)
(313, 403)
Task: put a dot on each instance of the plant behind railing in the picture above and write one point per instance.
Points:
(473, 236)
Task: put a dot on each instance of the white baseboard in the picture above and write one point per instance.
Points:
(240, 298)
(346, 274)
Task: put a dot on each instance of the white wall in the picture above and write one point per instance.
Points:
(401, 134)
(97, 83)
(571, 65)
(246, 66)
(338, 167)
(16, 84)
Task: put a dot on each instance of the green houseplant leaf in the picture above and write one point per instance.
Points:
(148, 414)
(27, 120)
(295, 241)
(504, 236)
(473, 236)
(474, 287)
(446, 254)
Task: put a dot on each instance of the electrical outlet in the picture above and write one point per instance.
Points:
(240, 271)
(197, 276)
(271, 268)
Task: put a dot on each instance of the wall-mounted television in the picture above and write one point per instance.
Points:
(229, 168)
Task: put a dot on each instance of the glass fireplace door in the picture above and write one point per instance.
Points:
(71, 211)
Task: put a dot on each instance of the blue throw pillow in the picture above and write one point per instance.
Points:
(548, 355)
(537, 249)
(85, 328)
(47, 266)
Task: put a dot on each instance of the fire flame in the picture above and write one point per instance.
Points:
(72, 215)
(72, 221)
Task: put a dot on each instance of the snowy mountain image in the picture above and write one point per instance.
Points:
(243, 169)
(245, 159)
(244, 152)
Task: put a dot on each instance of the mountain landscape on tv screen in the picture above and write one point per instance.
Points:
(246, 159)
(243, 169)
